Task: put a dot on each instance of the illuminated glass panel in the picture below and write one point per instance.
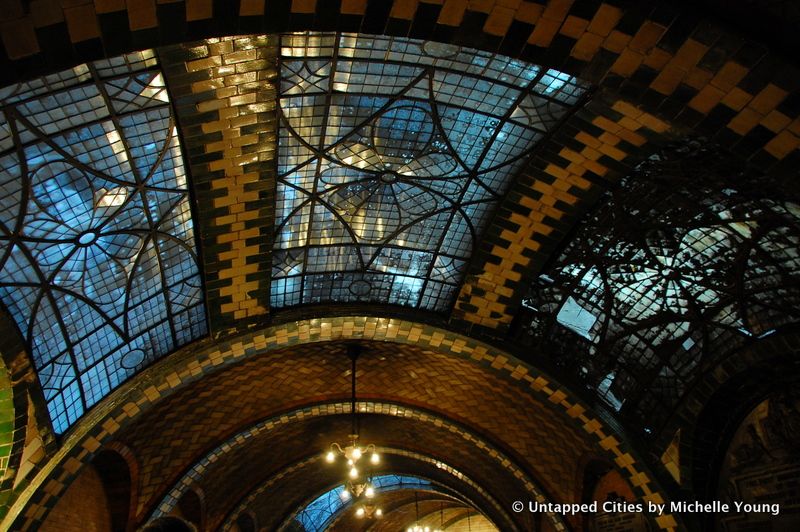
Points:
(98, 264)
(320, 512)
(392, 155)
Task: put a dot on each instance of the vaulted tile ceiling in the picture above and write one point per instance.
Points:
(392, 156)
(689, 259)
(559, 229)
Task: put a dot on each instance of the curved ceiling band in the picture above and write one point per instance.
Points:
(337, 409)
(191, 364)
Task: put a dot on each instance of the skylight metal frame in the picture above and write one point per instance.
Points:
(692, 256)
(101, 201)
(477, 187)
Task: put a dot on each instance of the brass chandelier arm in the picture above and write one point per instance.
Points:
(338, 447)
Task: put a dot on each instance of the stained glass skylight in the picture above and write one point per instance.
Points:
(688, 259)
(392, 155)
(98, 260)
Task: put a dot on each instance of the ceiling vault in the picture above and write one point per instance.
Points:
(565, 234)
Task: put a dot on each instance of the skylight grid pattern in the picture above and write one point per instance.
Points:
(98, 264)
(685, 261)
(392, 155)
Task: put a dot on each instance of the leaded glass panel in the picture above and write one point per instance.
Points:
(98, 266)
(689, 258)
(392, 155)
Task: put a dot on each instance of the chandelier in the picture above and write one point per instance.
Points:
(358, 482)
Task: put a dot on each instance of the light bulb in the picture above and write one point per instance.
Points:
(356, 453)
(370, 492)
(349, 462)
(378, 513)
(353, 472)
(330, 457)
(375, 458)
(360, 512)
(344, 495)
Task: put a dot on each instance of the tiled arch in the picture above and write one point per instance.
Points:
(248, 502)
(398, 505)
(268, 384)
(387, 409)
(718, 396)
(203, 358)
(132, 463)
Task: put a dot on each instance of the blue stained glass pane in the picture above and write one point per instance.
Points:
(102, 275)
(391, 145)
(56, 376)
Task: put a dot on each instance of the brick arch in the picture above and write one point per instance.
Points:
(400, 508)
(268, 384)
(134, 467)
(192, 507)
(252, 521)
(204, 358)
(118, 470)
(501, 512)
(725, 395)
(480, 445)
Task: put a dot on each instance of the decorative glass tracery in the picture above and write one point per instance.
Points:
(98, 264)
(687, 259)
(392, 154)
